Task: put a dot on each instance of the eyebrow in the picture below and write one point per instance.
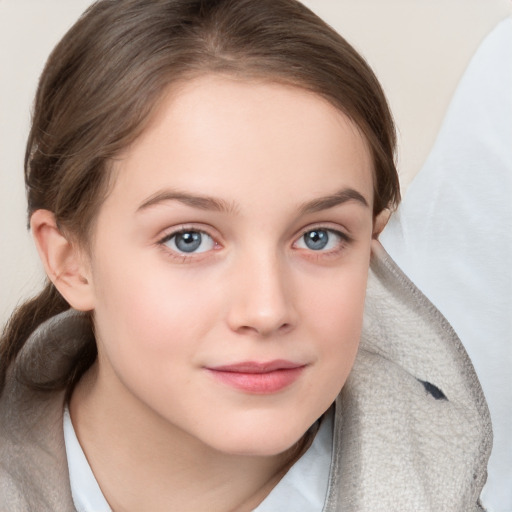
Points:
(330, 201)
(220, 205)
(196, 201)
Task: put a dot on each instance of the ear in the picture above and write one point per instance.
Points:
(64, 263)
(379, 222)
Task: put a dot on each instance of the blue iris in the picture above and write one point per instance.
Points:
(188, 241)
(316, 239)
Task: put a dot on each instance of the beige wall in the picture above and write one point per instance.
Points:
(418, 48)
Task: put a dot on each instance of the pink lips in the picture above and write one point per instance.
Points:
(261, 378)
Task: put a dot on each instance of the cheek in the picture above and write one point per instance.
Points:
(335, 317)
(148, 308)
(336, 305)
(147, 333)
(149, 318)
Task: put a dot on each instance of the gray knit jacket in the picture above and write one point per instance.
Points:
(412, 431)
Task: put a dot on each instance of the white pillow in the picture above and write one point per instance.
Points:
(453, 236)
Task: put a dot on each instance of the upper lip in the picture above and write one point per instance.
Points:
(258, 367)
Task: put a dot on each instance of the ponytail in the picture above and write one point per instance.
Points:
(24, 321)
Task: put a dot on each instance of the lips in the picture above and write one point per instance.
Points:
(258, 377)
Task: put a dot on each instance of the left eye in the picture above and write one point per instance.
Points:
(190, 242)
(319, 240)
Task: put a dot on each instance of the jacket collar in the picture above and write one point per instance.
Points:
(413, 429)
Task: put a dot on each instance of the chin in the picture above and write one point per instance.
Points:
(259, 441)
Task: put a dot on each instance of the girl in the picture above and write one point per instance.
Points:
(206, 183)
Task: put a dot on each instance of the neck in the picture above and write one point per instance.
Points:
(142, 462)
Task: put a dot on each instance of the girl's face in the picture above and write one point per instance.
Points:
(229, 264)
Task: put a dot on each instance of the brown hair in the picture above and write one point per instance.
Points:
(103, 80)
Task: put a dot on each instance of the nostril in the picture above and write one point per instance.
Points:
(264, 308)
(285, 328)
(262, 330)
(246, 329)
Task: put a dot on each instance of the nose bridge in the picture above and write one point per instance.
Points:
(263, 301)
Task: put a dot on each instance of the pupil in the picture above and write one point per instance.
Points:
(189, 241)
(316, 240)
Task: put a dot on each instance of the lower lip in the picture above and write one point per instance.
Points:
(260, 383)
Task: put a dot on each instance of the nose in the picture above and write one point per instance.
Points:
(262, 303)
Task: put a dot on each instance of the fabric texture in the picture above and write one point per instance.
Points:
(452, 237)
(411, 428)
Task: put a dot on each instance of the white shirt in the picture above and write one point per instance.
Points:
(304, 487)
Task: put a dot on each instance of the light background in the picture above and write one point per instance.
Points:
(418, 49)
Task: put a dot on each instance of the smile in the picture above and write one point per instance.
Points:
(259, 378)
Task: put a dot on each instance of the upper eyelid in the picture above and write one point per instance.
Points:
(325, 226)
(343, 242)
(178, 255)
(337, 232)
(168, 233)
(172, 234)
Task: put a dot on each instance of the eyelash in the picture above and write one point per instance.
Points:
(341, 245)
(184, 257)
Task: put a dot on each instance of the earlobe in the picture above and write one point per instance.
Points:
(63, 261)
(379, 222)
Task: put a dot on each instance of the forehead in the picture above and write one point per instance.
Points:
(227, 136)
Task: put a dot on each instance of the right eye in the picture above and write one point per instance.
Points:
(189, 241)
(321, 240)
